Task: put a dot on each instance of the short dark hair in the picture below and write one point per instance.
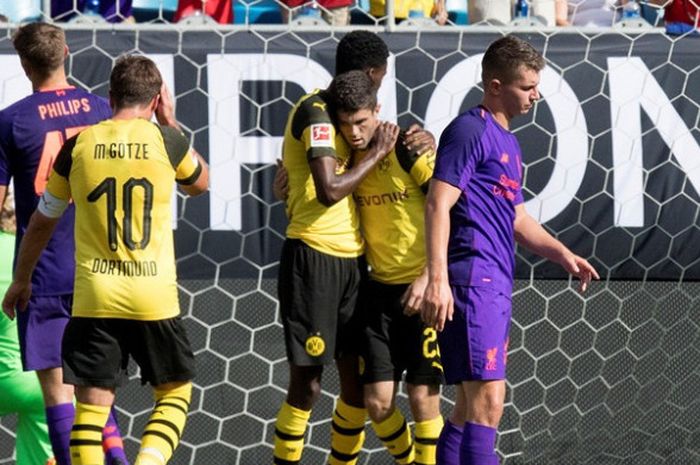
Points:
(505, 56)
(41, 46)
(360, 50)
(353, 91)
(135, 80)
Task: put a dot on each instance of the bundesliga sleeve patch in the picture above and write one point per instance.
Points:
(321, 135)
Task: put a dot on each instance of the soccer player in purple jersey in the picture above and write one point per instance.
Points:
(31, 133)
(474, 214)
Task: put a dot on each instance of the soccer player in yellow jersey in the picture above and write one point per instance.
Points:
(391, 202)
(120, 175)
(321, 262)
(320, 269)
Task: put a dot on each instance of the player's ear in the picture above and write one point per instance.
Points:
(494, 86)
(66, 51)
(154, 102)
(377, 108)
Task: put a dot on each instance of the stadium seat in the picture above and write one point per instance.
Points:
(457, 11)
(18, 11)
(359, 13)
(258, 12)
(148, 10)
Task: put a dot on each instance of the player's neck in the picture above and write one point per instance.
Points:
(54, 81)
(132, 113)
(497, 113)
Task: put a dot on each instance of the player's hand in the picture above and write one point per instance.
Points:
(16, 298)
(165, 111)
(579, 267)
(412, 299)
(419, 140)
(438, 305)
(280, 185)
(385, 138)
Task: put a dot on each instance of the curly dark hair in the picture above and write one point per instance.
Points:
(353, 91)
(360, 50)
(505, 56)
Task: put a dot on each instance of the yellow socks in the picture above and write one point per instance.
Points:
(164, 429)
(86, 434)
(396, 437)
(427, 433)
(289, 434)
(347, 433)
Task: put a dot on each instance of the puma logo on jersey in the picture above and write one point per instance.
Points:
(320, 105)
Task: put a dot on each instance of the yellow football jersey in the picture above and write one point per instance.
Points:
(121, 174)
(391, 200)
(309, 134)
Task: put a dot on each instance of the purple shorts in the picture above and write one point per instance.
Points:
(474, 345)
(40, 328)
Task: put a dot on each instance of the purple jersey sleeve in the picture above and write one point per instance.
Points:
(459, 153)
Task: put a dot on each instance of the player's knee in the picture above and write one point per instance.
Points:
(424, 402)
(489, 407)
(378, 407)
(303, 393)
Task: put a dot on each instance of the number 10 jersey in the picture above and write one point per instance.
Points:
(121, 175)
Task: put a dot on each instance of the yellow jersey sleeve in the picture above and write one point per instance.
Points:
(182, 158)
(312, 125)
(309, 134)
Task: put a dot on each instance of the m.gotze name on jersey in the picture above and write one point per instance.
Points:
(121, 150)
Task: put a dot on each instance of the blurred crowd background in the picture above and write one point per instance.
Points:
(677, 16)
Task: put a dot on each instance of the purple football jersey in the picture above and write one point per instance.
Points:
(482, 159)
(32, 132)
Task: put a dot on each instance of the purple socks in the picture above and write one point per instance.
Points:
(478, 445)
(448, 444)
(112, 442)
(59, 419)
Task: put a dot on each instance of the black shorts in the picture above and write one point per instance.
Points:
(96, 351)
(317, 294)
(394, 342)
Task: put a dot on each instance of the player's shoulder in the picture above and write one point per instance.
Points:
(311, 109)
(475, 119)
(467, 126)
(23, 104)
